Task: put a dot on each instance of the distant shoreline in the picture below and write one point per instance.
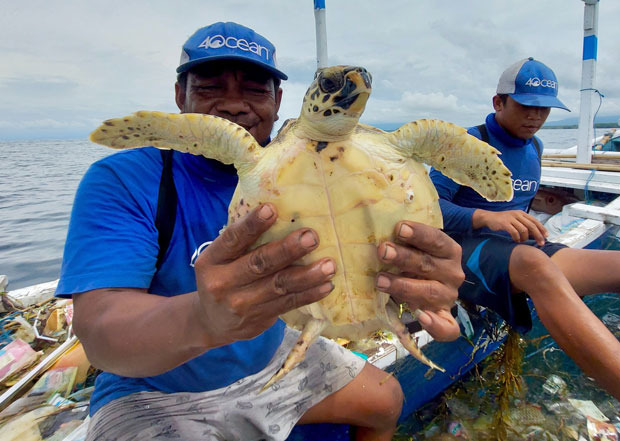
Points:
(574, 126)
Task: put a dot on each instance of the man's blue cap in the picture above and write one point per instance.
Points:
(531, 83)
(229, 41)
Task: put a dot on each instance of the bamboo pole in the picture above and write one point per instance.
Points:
(595, 155)
(601, 167)
(17, 388)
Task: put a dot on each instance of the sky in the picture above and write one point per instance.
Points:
(67, 65)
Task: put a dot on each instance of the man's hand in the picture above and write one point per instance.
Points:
(430, 264)
(520, 225)
(241, 293)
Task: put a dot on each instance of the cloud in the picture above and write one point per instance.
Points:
(76, 61)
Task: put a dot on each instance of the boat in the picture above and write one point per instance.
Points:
(587, 173)
(578, 200)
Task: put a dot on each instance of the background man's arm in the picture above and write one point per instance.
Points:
(455, 217)
(520, 225)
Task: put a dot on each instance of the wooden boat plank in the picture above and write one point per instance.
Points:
(604, 181)
(603, 214)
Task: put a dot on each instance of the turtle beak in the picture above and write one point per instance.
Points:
(356, 90)
(363, 74)
(367, 78)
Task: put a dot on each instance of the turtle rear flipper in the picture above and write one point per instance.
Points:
(311, 331)
(207, 135)
(397, 327)
(457, 154)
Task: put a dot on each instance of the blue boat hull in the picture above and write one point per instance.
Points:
(457, 358)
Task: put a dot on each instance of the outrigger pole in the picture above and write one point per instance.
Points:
(588, 73)
(321, 33)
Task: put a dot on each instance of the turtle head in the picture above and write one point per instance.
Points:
(335, 101)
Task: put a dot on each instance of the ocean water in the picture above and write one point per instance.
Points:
(542, 409)
(38, 180)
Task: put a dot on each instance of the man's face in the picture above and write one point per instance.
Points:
(238, 92)
(519, 120)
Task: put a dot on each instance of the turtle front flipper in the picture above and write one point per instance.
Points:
(311, 331)
(207, 135)
(457, 154)
(395, 325)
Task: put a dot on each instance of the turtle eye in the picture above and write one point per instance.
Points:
(332, 83)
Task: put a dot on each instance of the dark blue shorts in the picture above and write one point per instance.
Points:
(487, 282)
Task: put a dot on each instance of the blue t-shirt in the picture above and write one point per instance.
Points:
(458, 202)
(112, 242)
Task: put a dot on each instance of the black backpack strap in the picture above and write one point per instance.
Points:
(484, 136)
(166, 206)
(538, 149)
(484, 133)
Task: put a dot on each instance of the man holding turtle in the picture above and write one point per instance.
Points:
(187, 340)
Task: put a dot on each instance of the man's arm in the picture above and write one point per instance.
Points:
(240, 294)
(519, 224)
(135, 334)
(455, 217)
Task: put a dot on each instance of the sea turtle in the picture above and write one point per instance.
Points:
(349, 181)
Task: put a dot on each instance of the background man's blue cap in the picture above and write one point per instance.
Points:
(531, 83)
(229, 41)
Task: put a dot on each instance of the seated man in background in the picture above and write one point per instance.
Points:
(505, 251)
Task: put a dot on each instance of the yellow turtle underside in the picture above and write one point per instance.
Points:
(352, 199)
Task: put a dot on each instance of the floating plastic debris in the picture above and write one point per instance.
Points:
(600, 431)
(554, 385)
(588, 409)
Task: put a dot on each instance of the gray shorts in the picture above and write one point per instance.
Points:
(238, 411)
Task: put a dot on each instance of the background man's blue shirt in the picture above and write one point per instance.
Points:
(458, 202)
(113, 243)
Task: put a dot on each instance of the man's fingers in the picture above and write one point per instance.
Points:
(239, 236)
(426, 238)
(418, 294)
(537, 234)
(274, 256)
(537, 230)
(229, 250)
(291, 281)
(528, 226)
(440, 325)
(246, 310)
(290, 301)
(523, 232)
(422, 265)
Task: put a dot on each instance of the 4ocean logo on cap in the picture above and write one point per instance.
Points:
(536, 82)
(218, 41)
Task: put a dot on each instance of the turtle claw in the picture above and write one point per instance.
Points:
(311, 331)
